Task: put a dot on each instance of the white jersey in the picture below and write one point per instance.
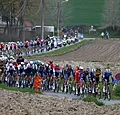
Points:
(20, 66)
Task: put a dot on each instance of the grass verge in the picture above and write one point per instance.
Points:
(62, 50)
(115, 97)
(23, 90)
(93, 99)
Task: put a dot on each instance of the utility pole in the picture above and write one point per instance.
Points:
(59, 13)
(58, 19)
(42, 20)
(23, 14)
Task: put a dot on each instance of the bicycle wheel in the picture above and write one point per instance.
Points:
(109, 95)
(99, 93)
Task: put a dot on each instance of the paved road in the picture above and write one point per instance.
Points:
(60, 47)
(72, 96)
(111, 102)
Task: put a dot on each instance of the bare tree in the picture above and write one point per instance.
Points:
(111, 13)
(51, 12)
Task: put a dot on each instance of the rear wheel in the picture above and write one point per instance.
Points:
(99, 94)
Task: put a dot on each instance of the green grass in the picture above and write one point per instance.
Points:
(93, 99)
(78, 12)
(86, 12)
(62, 50)
(23, 90)
(115, 97)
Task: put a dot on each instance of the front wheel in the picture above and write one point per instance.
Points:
(99, 94)
(109, 95)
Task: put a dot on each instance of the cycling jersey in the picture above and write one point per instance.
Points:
(97, 74)
(83, 75)
(92, 75)
(77, 76)
(107, 75)
(11, 70)
(29, 69)
(21, 68)
(57, 71)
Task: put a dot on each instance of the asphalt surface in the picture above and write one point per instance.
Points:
(72, 96)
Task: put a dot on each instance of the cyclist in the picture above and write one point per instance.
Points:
(57, 71)
(84, 74)
(29, 68)
(10, 69)
(20, 59)
(106, 75)
(77, 79)
(41, 69)
(97, 75)
(21, 68)
(70, 71)
(92, 75)
(106, 80)
(10, 74)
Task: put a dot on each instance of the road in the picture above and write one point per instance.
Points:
(58, 47)
(72, 96)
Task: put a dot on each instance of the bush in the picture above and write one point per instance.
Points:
(117, 91)
(93, 99)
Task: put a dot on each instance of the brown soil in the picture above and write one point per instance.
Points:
(16, 103)
(96, 54)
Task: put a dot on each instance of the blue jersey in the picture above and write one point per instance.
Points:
(107, 75)
(92, 75)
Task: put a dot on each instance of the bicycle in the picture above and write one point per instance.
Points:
(98, 91)
(106, 90)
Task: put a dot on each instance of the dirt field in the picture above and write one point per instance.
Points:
(16, 103)
(96, 54)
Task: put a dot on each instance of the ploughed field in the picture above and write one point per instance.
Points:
(97, 51)
(96, 54)
(17, 103)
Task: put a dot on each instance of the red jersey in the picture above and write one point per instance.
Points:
(77, 76)
(15, 46)
(2, 46)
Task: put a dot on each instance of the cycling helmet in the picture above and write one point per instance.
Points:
(11, 64)
(88, 69)
(42, 63)
(26, 61)
(107, 70)
(31, 62)
(22, 63)
(81, 67)
(46, 65)
(57, 65)
(93, 70)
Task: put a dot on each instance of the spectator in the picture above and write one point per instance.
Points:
(102, 35)
(106, 34)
